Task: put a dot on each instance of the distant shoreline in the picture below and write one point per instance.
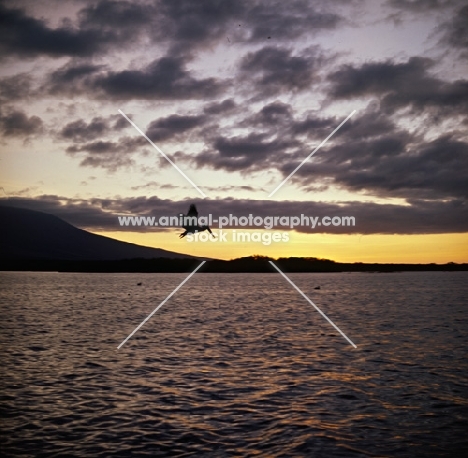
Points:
(255, 264)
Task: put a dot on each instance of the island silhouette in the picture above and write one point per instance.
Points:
(36, 241)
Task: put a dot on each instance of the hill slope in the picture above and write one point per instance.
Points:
(28, 234)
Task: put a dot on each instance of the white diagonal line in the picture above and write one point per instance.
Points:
(316, 308)
(310, 155)
(159, 306)
(157, 148)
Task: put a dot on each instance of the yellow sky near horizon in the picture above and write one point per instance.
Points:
(374, 248)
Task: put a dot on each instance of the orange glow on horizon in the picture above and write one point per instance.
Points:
(375, 248)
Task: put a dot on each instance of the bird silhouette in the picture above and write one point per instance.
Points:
(192, 228)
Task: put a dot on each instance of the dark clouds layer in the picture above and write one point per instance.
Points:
(82, 131)
(421, 217)
(456, 30)
(71, 79)
(217, 108)
(371, 154)
(387, 167)
(25, 35)
(111, 155)
(201, 23)
(103, 25)
(171, 126)
(164, 78)
(277, 70)
(267, 72)
(376, 156)
(106, 51)
(15, 88)
(400, 85)
(97, 28)
(240, 153)
(15, 123)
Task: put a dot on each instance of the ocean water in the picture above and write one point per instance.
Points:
(234, 365)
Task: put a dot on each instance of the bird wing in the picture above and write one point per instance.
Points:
(192, 211)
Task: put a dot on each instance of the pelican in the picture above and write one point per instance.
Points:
(191, 229)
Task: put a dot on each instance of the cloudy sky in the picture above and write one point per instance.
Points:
(237, 94)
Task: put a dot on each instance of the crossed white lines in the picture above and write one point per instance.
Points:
(160, 151)
(160, 305)
(203, 194)
(275, 266)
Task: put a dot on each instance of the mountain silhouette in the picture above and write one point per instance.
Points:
(28, 234)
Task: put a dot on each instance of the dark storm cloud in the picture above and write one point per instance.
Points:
(82, 131)
(283, 141)
(392, 165)
(368, 125)
(171, 126)
(25, 35)
(190, 24)
(277, 119)
(107, 154)
(120, 15)
(71, 79)
(277, 70)
(15, 87)
(276, 113)
(19, 124)
(185, 25)
(400, 85)
(165, 78)
(240, 153)
(182, 27)
(219, 107)
(100, 26)
(419, 217)
(253, 144)
(371, 154)
(455, 31)
(312, 125)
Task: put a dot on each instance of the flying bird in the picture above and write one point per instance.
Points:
(192, 228)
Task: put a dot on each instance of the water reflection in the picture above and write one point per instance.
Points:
(234, 365)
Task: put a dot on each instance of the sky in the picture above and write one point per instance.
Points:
(237, 94)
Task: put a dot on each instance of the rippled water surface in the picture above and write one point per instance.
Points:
(234, 365)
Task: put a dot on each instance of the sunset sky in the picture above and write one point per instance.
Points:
(237, 94)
